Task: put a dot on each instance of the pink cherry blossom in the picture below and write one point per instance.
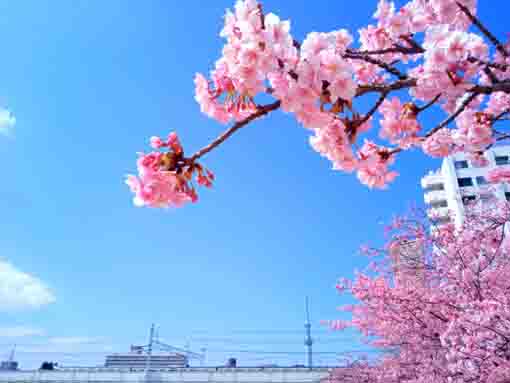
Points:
(478, 159)
(438, 144)
(474, 131)
(399, 124)
(332, 142)
(159, 189)
(437, 302)
(164, 178)
(157, 142)
(499, 175)
(418, 74)
(373, 166)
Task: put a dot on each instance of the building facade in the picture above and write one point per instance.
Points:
(139, 361)
(459, 182)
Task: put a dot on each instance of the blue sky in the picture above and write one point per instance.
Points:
(89, 83)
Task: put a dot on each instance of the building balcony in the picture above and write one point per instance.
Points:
(434, 196)
(438, 212)
(433, 178)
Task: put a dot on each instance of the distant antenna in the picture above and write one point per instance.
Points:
(308, 335)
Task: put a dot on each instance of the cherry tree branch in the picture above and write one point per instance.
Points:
(501, 86)
(261, 111)
(499, 66)
(428, 105)
(395, 49)
(483, 29)
(453, 116)
(371, 112)
(388, 67)
(381, 88)
(501, 115)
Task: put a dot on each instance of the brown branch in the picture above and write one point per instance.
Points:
(380, 88)
(499, 116)
(388, 67)
(371, 112)
(440, 317)
(428, 105)
(502, 86)
(494, 79)
(395, 49)
(452, 117)
(413, 43)
(500, 66)
(261, 111)
(504, 137)
(483, 29)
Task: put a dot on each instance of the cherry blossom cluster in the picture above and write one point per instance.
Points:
(164, 178)
(442, 309)
(253, 42)
(427, 58)
(319, 79)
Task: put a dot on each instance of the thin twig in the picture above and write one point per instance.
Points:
(483, 29)
(388, 67)
(501, 86)
(261, 111)
(371, 112)
(498, 117)
(504, 137)
(428, 105)
(452, 117)
(380, 88)
(494, 79)
(413, 43)
(499, 66)
(395, 49)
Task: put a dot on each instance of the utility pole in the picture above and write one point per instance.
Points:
(11, 357)
(203, 359)
(308, 335)
(149, 353)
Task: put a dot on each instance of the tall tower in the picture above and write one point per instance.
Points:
(308, 335)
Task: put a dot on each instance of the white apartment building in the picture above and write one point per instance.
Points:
(459, 182)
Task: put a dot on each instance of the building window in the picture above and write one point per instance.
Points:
(480, 180)
(502, 160)
(439, 204)
(468, 199)
(435, 187)
(461, 164)
(466, 181)
(507, 196)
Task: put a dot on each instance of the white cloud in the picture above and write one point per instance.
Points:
(20, 331)
(7, 121)
(19, 290)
